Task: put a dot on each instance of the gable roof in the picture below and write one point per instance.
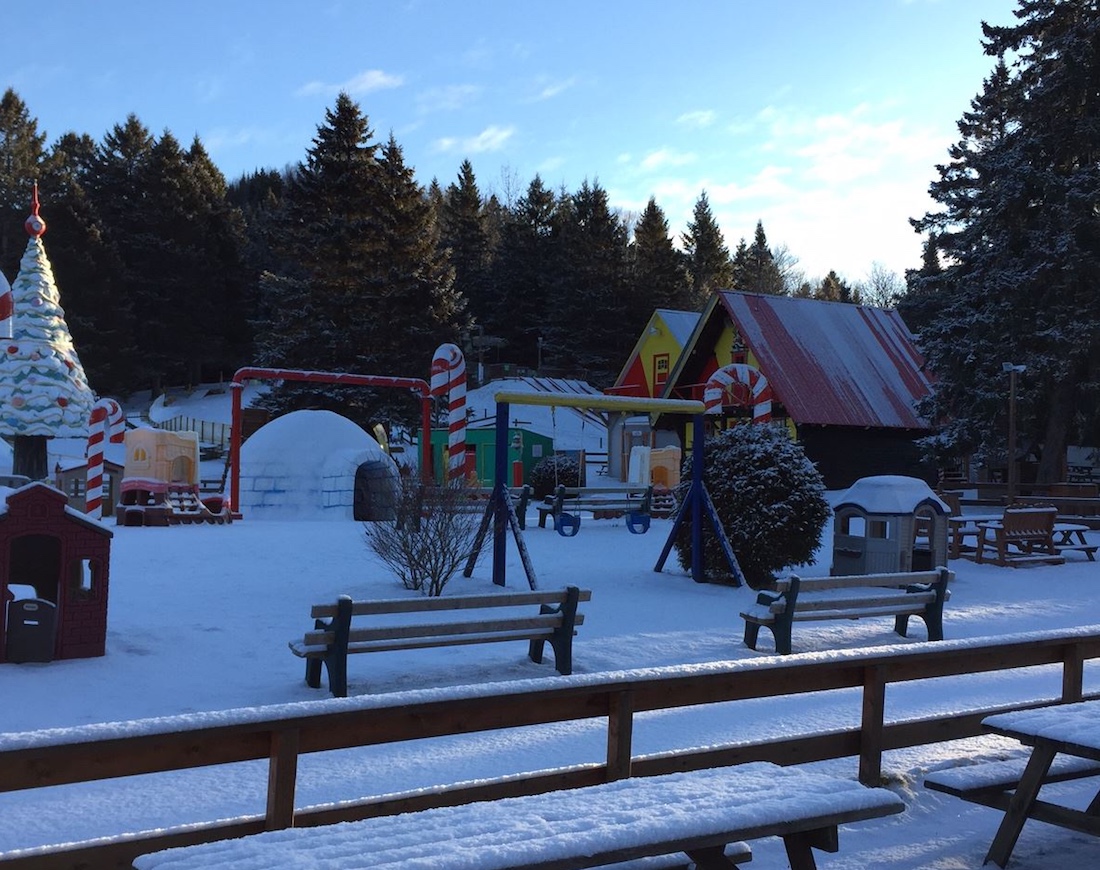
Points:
(829, 363)
(668, 331)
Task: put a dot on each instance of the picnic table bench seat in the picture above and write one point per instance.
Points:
(334, 638)
(990, 782)
(901, 595)
(703, 814)
(1021, 536)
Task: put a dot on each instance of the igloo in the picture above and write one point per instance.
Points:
(316, 465)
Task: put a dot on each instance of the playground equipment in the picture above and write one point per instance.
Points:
(160, 483)
(501, 512)
(416, 385)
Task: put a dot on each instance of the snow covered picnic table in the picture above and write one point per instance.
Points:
(1070, 732)
(699, 813)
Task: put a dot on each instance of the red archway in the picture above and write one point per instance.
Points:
(416, 385)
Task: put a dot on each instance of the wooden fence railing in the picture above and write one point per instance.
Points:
(281, 735)
(209, 432)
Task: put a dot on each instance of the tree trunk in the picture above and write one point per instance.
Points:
(1053, 460)
(29, 457)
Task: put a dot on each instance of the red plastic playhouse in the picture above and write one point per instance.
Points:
(54, 572)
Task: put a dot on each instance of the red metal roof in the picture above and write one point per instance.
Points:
(831, 363)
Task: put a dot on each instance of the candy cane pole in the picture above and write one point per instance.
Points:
(107, 422)
(739, 373)
(449, 377)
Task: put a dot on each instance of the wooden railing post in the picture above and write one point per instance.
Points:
(1073, 673)
(282, 777)
(620, 734)
(871, 725)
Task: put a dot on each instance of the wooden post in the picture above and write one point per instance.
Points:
(620, 733)
(282, 777)
(871, 724)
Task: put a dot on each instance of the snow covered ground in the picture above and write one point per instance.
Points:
(200, 617)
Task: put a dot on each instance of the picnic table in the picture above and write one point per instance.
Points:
(963, 526)
(1070, 730)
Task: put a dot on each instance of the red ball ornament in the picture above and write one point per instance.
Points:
(35, 225)
(62, 401)
(13, 349)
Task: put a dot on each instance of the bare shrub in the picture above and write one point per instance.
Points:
(432, 537)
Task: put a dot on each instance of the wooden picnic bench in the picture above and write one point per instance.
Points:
(1021, 536)
(703, 814)
(1071, 509)
(333, 637)
(1064, 745)
(603, 502)
(796, 599)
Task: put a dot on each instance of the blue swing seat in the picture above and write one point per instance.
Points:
(567, 525)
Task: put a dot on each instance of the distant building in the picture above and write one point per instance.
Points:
(845, 379)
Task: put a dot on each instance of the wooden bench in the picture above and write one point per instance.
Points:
(333, 638)
(991, 783)
(1021, 536)
(796, 599)
(1071, 509)
(702, 814)
(603, 501)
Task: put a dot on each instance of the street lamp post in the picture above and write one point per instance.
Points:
(1013, 470)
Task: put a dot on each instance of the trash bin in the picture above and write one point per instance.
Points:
(31, 629)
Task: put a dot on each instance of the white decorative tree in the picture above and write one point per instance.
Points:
(44, 392)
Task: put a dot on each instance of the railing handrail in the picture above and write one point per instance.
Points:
(282, 733)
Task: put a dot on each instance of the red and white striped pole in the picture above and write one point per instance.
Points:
(449, 378)
(739, 374)
(107, 423)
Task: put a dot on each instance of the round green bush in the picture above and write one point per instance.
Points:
(770, 500)
(552, 471)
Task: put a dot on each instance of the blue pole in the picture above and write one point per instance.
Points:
(500, 477)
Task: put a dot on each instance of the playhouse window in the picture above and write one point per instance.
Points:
(878, 529)
(854, 525)
(84, 579)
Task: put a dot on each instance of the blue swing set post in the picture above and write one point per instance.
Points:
(695, 503)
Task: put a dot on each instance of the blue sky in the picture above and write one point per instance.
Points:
(822, 118)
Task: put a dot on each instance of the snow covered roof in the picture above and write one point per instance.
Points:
(570, 428)
(831, 363)
(889, 494)
(680, 323)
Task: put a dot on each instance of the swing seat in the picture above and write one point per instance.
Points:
(567, 525)
(637, 522)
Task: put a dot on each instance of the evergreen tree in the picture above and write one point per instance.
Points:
(21, 156)
(86, 264)
(1020, 235)
(593, 324)
(833, 288)
(759, 271)
(363, 286)
(522, 275)
(464, 232)
(658, 277)
(709, 266)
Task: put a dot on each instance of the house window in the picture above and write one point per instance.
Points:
(84, 579)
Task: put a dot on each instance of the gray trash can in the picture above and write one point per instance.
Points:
(31, 628)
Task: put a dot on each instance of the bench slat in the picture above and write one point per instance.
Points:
(517, 625)
(425, 604)
(971, 779)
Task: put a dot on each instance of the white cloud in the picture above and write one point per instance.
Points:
(365, 82)
(447, 98)
(665, 157)
(698, 119)
(492, 138)
(552, 89)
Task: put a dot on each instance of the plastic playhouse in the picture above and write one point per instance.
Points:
(160, 483)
